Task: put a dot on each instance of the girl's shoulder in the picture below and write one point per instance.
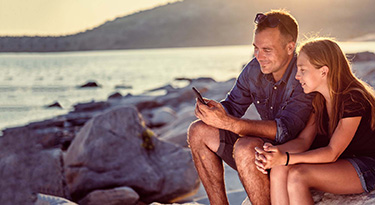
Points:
(354, 104)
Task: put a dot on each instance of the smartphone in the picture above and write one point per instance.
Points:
(198, 95)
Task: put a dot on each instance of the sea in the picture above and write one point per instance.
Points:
(29, 82)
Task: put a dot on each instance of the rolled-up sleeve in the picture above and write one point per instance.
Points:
(239, 98)
(293, 115)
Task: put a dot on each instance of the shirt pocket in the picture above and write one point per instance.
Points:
(261, 104)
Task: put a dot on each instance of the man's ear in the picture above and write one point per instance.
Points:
(291, 46)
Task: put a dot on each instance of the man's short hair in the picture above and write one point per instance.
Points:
(287, 26)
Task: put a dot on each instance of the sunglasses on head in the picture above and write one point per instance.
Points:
(270, 21)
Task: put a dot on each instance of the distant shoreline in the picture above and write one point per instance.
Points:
(204, 23)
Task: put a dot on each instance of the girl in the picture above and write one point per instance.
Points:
(341, 126)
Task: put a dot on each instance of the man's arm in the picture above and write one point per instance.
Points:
(304, 139)
(293, 115)
(259, 128)
(215, 115)
(239, 98)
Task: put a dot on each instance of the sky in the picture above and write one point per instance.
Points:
(62, 17)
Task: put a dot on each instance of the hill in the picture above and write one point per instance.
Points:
(205, 23)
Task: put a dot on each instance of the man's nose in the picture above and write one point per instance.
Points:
(259, 55)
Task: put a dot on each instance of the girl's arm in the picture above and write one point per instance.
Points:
(300, 144)
(340, 140)
(303, 141)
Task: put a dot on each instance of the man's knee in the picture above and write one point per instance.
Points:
(199, 133)
(245, 147)
(193, 131)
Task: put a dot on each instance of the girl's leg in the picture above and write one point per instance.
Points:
(278, 181)
(339, 177)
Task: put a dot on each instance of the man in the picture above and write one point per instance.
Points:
(268, 82)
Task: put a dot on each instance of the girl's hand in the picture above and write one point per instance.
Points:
(259, 159)
(273, 156)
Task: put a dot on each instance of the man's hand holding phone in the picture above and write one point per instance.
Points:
(199, 96)
(212, 114)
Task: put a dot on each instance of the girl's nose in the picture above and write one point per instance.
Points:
(298, 77)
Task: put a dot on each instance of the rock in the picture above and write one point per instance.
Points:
(362, 56)
(46, 124)
(44, 199)
(27, 169)
(91, 106)
(192, 203)
(149, 104)
(234, 197)
(175, 99)
(120, 195)
(162, 116)
(168, 88)
(322, 198)
(115, 95)
(123, 87)
(184, 79)
(55, 104)
(90, 84)
(115, 149)
(203, 80)
(47, 137)
(176, 132)
(78, 118)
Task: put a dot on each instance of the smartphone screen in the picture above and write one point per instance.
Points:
(198, 95)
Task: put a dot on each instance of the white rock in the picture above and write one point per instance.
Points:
(120, 195)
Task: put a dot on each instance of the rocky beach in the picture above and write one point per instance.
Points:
(128, 149)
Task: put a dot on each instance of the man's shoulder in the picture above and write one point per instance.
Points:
(252, 67)
(253, 64)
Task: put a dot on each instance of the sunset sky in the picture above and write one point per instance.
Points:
(59, 17)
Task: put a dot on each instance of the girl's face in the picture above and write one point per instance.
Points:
(311, 79)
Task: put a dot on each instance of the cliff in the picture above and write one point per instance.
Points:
(204, 23)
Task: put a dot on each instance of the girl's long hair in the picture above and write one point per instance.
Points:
(341, 81)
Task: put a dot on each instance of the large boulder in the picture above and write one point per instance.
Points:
(28, 169)
(115, 149)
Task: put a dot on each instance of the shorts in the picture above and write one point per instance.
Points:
(227, 141)
(365, 167)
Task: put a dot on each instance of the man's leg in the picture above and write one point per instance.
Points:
(256, 184)
(204, 142)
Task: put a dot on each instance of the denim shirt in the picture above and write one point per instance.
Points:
(283, 101)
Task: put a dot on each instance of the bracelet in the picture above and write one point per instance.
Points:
(287, 158)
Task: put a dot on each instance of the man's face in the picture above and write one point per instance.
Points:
(271, 51)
